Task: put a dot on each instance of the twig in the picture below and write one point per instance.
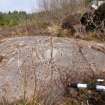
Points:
(90, 66)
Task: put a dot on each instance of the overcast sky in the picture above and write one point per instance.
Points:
(23, 5)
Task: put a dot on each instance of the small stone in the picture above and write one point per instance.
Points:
(1, 58)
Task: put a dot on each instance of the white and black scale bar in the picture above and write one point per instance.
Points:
(91, 86)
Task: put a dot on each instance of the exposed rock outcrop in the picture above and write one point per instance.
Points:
(43, 67)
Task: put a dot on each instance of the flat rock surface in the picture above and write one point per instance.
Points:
(43, 66)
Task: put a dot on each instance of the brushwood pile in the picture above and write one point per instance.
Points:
(93, 20)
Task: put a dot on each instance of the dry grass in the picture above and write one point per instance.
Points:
(48, 24)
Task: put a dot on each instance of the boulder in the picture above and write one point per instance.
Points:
(70, 21)
(43, 67)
